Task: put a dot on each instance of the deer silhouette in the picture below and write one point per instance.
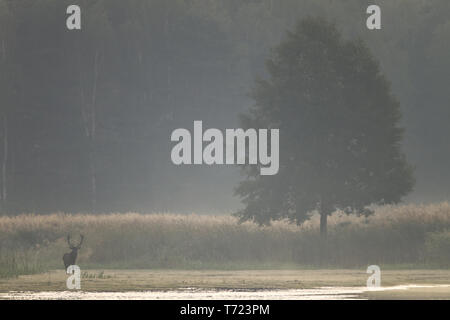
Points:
(71, 257)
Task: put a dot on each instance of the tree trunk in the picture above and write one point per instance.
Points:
(89, 116)
(4, 193)
(323, 224)
(323, 243)
(93, 133)
(325, 210)
(93, 174)
(4, 162)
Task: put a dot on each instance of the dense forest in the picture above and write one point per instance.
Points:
(86, 115)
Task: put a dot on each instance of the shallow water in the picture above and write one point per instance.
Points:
(326, 293)
(192, 294)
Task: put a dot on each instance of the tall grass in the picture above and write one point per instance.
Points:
(13, 264)
(393, 235)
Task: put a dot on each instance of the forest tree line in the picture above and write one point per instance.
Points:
(86, 115)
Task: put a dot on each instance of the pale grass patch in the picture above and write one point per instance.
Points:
(394, 234)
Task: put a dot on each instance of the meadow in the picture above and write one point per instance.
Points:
(407, 236)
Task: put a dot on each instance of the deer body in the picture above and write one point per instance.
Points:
(71, 257)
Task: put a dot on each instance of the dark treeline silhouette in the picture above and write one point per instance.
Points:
(86, 115)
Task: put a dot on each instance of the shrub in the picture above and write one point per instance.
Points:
(437, 248)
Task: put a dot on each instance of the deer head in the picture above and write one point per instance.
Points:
(73, 247)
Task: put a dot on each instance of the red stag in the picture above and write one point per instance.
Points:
(71, 257)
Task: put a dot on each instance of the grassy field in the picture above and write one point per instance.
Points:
(415, 236)
(160, 280)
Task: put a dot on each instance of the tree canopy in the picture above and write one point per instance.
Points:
(339, 130)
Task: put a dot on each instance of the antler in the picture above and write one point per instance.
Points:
(81, 241)
(68, 241)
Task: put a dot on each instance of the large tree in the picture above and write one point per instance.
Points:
(340, 140)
